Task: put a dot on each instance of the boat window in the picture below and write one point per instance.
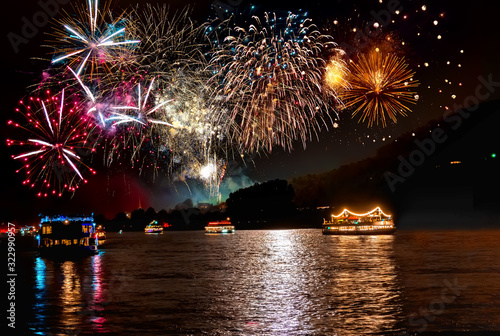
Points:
(56, 242)
(86, 228)
(66, 242)
(75, 241)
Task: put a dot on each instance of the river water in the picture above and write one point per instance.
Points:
(281, 282)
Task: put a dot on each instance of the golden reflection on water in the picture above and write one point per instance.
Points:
(365, 286)
(71, 296)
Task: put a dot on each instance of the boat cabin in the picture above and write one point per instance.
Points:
(67, 234)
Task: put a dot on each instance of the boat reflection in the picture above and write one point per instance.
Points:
(365, 290)
(40, 292)
(78, 303)
(70, 300)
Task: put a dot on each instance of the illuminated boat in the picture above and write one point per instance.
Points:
(101, 234)
(153, 227)
(223, 226)
(63, 236)
(349, 223)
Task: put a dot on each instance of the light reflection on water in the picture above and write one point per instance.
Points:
(40, 292)
(252, 282)
(278, 303)
(290, 282)
(365, 281)
(74, 289)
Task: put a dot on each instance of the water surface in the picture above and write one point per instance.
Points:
(283, 282)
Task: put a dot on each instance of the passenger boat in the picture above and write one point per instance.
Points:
(101, 234)
(153, 227)
(349, 223)
(223, 226)
(63, 236)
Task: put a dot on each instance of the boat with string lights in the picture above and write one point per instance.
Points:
(223, 226)
(101, 233)
(373, 222)
(153, 228)
(63, 236)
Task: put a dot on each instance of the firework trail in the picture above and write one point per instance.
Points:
(126, 120)
(88, 42)
(57, 141)
(95, 105)
(269, 81)
(381, 88)
(170, 42)
(141, 111)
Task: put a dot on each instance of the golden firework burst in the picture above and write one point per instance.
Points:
(381, 87)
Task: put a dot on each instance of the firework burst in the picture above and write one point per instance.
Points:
(381, 88)
(211, 173)
(87, 39)
(336, 74)
(269, 82)
(58, 138)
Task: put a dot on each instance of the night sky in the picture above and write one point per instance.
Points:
(464, 33)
